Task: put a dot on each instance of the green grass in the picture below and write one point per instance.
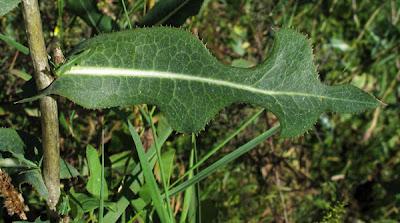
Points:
(149, 179)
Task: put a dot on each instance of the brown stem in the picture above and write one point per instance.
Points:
(48, 106)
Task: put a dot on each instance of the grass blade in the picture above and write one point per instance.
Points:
(126, 14)
(164, 131)
(149, 119)
(21, 74)
(223, 161)
(189, 193)
(196, 203)
(21, 48)
(149, 177)
(220, 145)
(101, 206)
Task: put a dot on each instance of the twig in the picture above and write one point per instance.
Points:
(48, 106)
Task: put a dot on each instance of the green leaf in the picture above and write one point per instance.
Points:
(145, 194)
(164, 131)
(10, 141)
(84, 203)
(63, 207)
(13, 163)
(23, 170)
(10, 41)
(67, 170)
(171, 12)
(88, 11)
(151, 183)
(23, 166)
(34, 178)
(113, 216)
(170, 68)
(8, 5)
(93, 185)
(167, 158)
(122, 162)
(21, 74)
(189, 196)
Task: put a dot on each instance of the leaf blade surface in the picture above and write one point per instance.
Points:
(8, 5)
(170, 68)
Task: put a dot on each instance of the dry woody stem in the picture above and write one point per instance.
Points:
(48, 106)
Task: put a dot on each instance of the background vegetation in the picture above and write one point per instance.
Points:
(346, 169)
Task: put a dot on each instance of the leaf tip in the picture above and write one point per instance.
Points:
(30, 99)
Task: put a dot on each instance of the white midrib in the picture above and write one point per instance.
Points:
(121, 72)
